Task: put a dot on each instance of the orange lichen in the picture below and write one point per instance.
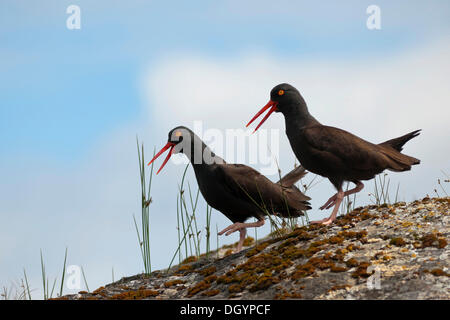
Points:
(442, 243)
(227, 277)
(303, 271)
(201, 286)
(288, 295)
(211, 278)
(208, 271)
(263, 282)
(135, 294)
(335, 268)
(172, 283)
(189, 259)
(99, 290)
(293, 253)
(248, 241)
(186, 267)
(353, 234)
(257, 249)
(320, 263)
(361, 271)
(211, 293)
(399, 242)
(335, 240)
(235, 288)
(339, 287)
(437, 272)
(430, 240)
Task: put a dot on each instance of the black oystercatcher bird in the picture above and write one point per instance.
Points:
(331, 152)
(236, 190)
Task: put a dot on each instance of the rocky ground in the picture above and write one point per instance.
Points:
(384, 252)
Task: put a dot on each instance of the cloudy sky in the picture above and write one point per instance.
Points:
(73, 101)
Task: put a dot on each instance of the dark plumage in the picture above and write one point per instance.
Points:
(236, 190)
(332, 152)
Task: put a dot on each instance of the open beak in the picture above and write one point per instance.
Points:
(167, 146)
(273, 107)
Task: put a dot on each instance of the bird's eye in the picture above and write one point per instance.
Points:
(280, 92)
(178, 134)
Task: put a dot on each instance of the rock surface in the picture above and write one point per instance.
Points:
(384, 252)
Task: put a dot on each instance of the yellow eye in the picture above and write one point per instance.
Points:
(281, 92)
(178, 134)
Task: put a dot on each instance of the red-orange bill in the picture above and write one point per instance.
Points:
(273, 107)
(167, 146)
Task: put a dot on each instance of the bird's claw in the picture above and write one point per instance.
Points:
(325, 221)
(331, 202)
(230, 229)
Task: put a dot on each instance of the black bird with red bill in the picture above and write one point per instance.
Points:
(236, 190)
(332, 152)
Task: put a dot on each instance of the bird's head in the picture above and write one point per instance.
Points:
(178, 138)
(283, 98)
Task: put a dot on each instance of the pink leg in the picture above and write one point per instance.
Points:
(339, 197)
(243, 233)
(240, 225)
(359, 186)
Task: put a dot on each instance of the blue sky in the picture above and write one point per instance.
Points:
(73, 101)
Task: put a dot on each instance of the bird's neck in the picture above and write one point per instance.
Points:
(298, 117)
(201, 156)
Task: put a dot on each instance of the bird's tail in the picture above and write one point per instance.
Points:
(295, 199)
(399, 142)
(292, 177)
(391, 149)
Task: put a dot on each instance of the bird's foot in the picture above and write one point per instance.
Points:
(318, 221)
(325, 221)
(232, 228)
(331, 202)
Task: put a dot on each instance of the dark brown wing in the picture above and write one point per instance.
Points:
(345, 154)
(249, 185)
